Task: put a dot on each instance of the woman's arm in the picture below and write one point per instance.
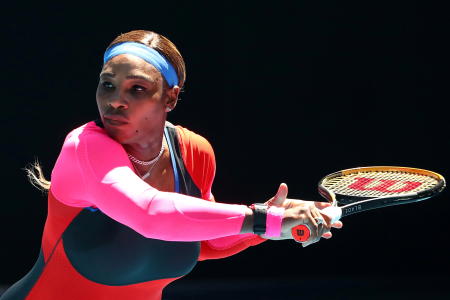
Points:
(230, 245)
(94, 170)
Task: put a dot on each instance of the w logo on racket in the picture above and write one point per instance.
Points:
(383, 185)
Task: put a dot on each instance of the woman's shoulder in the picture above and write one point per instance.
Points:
(198, 157)
(89, 127)
(193, 140)
(91, 132)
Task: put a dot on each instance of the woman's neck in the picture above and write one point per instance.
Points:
(147, 149)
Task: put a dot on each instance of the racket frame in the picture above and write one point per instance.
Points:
(355, 204)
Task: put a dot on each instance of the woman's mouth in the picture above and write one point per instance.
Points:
(115, 120)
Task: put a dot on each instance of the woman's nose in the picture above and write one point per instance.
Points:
(118, 102)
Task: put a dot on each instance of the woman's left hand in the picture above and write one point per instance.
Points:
(280, 200)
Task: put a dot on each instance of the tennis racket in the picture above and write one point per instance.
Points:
(356, 190)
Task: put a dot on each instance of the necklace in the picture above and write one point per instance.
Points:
(147, 174)
(149, 162)
(146, 163)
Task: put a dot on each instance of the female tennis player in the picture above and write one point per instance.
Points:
(130, 207)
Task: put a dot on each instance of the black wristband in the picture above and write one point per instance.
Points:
(259, 218)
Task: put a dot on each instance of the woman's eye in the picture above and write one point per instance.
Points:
(138, 88)
(107, 84)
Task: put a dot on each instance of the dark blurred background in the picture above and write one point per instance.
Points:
(285, 91)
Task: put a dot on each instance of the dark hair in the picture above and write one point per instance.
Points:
(161, 44)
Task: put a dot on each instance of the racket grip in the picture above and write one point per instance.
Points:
(301, 233)
(334, 212)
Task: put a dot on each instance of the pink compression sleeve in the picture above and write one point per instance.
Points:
(94, 170)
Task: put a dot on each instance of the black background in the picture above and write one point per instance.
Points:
(285, 91)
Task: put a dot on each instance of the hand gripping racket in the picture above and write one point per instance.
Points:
(355, 190)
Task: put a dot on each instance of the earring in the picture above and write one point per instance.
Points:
(168, 109)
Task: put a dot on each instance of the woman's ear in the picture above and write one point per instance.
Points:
(172, 98)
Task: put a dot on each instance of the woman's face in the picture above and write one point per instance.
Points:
(132, 99)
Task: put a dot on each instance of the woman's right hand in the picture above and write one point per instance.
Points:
(298, 212)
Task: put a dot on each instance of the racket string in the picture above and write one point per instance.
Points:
(379, 183)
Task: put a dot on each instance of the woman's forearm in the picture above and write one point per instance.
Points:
(247, 224)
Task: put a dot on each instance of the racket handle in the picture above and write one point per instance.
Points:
(301, 233)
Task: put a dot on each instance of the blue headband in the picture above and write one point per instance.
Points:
(148, 54)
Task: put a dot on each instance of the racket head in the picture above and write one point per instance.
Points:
(359, 184)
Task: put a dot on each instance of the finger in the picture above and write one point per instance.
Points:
(321, 205)
(324, 225)
(337, 224)
(314, 218)
(321, 222)
(314, 224)
(327, 235)
(280, 196)
(319, 218)
(323, 230)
